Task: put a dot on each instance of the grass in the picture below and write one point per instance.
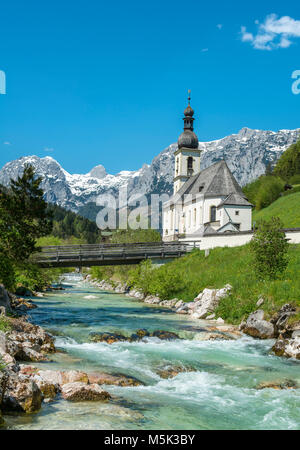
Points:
(287, 208)
(5, 324)
(185, 277)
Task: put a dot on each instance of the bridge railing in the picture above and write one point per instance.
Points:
(85, 252)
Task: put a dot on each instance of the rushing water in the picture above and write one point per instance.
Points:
(220, 394)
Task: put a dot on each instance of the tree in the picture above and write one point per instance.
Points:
(269, 246)
(23, 219)
(288, 164)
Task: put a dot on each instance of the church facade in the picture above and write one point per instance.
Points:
(204, 201)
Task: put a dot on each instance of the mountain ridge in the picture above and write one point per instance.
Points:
(247, 154)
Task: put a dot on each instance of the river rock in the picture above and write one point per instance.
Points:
(280, 320)
(5, 300)
(116, 380)
(49, 390)
(109, 338)
(172, 371)
(208, 300)
(72, 376)
(286, 384)
(81, 392)
(142, 332)
(22, 395)
(152, 300)
(290, 348)
(257, 327)
(165, 335)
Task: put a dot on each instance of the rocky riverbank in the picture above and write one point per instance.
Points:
(278, 327)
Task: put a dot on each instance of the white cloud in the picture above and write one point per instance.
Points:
(273, 33)
(6, 143)
(220, 26)
(48, 149)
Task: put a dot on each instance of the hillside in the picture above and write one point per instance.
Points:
(287, 208)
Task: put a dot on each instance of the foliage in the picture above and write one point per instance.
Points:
(264, 190)
(285, 207)
(67, 224)
(291, 191)
(124, 237)
(5, 324)
(190, 274)
(23, 219)
(23, 216)
(295, 179)
(35, 278)
(288, 164)
(269, 246)
(131, 236)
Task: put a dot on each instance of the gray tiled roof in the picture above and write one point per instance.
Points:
(235, 199)
(214, 180)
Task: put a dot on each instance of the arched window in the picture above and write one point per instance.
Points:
(190, 165)
(213, 213)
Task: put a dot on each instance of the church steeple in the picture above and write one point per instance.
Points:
(187, 156)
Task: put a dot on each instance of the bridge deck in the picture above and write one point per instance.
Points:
(106, 254)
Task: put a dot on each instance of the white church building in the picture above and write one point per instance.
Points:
(205, 202)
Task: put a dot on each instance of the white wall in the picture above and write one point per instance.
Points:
(232, 239)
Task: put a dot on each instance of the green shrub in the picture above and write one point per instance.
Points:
(269, 246)
(269, 191)
(295, 179)
(264, 190)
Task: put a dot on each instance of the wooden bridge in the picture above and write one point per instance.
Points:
(106, 254)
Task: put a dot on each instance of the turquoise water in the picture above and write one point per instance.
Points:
(219, 394)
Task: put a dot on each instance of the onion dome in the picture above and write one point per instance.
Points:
(188, 139)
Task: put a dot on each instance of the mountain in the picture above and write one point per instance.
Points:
(247, 154)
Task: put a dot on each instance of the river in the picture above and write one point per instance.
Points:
(220, 394)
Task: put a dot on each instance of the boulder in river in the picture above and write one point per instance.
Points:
(109, 338)
(165, 335)
(290, 348)
(285, 384)
(21, 395)
(208, 300)
(172, 371)
(116, 380)
(81, 392)
(256, 326)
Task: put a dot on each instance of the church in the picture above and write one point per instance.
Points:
(204, 202)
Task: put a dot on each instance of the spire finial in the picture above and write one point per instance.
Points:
(189, 96)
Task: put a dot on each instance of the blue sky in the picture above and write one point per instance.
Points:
(97, 82)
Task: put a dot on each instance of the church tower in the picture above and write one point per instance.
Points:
(187, 156)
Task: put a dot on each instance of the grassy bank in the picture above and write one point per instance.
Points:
(286, 208)
(185, 277)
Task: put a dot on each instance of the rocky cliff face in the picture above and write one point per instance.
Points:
(247, 154)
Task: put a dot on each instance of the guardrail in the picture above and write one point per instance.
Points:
(106, 254)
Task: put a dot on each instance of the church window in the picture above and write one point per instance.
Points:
(237, 213)
(213, 213)
(195, 216)
(190, 165)
(177, 165)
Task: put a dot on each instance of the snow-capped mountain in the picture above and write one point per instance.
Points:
(247, 154)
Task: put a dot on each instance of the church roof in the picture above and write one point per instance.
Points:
(235, 200)
(216, 180)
